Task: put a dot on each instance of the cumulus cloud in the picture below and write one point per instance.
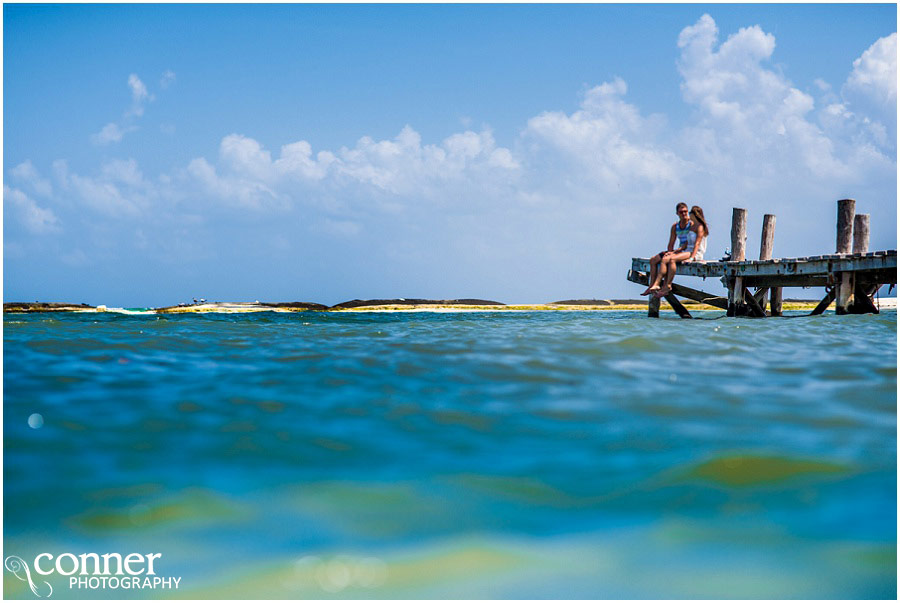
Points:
(36, 219)
(606, 146)
(752, 122)
(875, 72)
(246, 173)
(868, 103)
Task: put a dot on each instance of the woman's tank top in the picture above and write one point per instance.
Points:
(692, 240)
(701, 250)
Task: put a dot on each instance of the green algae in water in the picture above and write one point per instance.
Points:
(741, 471)
(191, 507)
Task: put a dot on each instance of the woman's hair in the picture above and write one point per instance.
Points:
(697, 212)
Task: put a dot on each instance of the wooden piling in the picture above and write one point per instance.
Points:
(844, 292)
(738, 254)
(653, 307)
(738, 234)
(776, 301)
(845, 212)
(843, 285)
(861, 233)
(766, 243)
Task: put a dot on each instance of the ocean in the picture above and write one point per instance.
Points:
(454, 455)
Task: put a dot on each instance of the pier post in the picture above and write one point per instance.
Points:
(738, 234)
(767, 241)
(776, 301)
(845, 212)
(861, 233)
(844, 288)
(862, 294)
(843, 281)
(653, 307)
(738, 254)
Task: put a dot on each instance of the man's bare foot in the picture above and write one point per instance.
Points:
(663, 291)
(650, 290)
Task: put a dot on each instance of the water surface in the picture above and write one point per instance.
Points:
(489, 455)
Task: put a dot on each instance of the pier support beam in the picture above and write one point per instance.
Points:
(823, 305)
(677, 306)
(736, 305)
(753, 307)
(843, 292)
(653, 307)
(862, 300)
(776, 301)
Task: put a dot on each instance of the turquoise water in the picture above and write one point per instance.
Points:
(490, 455)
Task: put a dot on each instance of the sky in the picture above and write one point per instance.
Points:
(522, 153)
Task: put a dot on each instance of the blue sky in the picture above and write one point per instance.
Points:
(521, 153)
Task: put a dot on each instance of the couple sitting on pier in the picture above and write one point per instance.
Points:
(690, 231)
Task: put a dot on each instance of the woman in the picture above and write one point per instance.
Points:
(696, 247)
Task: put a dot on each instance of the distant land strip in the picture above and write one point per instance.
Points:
(388, 305)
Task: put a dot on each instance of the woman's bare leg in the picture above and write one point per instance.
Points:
(671, 267)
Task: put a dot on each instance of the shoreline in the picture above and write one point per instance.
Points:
(889, 303)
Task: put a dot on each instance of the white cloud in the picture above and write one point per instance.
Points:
(36, 219)
(123, 171)
(111, 132)
(230, 189)
(27, 174)
(822, 85)
(870, 96)
(606, 151)
(247, 174)
(139, 94)
(751, 118)
(875, 72)
(119, 190)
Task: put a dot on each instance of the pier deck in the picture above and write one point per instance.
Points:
(811, 271)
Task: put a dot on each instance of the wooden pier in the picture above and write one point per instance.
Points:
(851, 275)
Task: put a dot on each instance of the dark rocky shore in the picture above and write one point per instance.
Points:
(359, 303)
